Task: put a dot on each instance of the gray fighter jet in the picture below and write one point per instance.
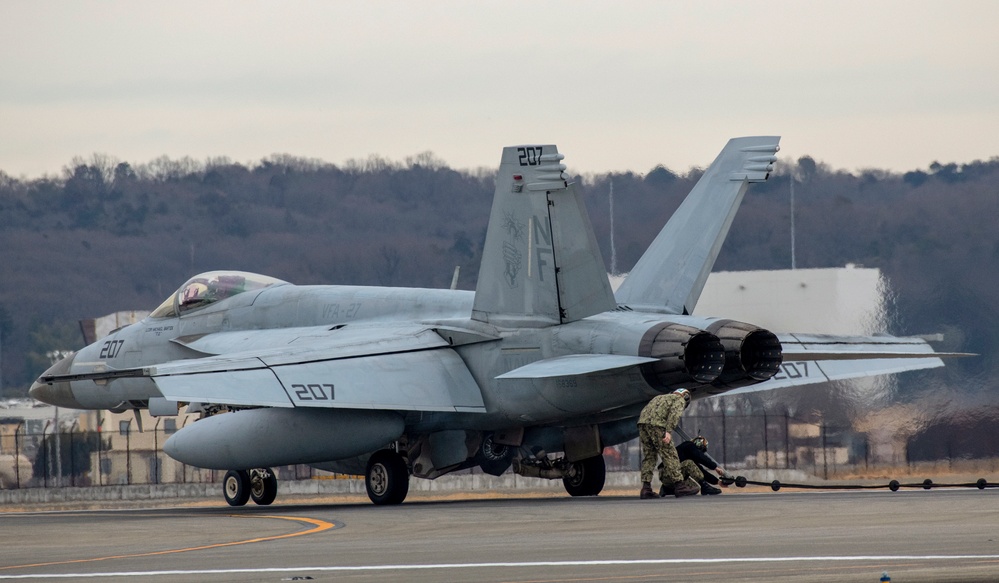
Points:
(391, 382)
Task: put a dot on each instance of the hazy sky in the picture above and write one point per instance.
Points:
(617, 85)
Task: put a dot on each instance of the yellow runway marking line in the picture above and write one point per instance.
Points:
(317, 527)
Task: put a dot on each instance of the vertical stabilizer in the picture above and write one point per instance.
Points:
(671, 273)
(541, 264)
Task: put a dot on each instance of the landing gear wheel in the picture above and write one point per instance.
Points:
(586, 478)
(387, 478)
(236, 487)
(263, 486)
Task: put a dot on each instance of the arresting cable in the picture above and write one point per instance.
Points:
(894, 485)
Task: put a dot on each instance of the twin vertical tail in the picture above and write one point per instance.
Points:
(671, 274)
(541, 264)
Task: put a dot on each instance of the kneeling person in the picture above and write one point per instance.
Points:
(695, 463)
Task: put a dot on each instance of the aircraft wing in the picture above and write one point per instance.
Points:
(400, 367)
(806, 372)
(817, 358)
(831, 347)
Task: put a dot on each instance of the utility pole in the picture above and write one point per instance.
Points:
(54, 357)
(793, 262)
(613, 250)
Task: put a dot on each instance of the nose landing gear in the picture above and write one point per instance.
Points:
(258, 484)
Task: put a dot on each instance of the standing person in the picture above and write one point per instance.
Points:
(657, 419)
(694, 464)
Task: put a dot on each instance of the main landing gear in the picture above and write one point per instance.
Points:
(584, 477)
(241, 486)
(386, 478)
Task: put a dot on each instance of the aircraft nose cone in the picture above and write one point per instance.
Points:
(58, 393)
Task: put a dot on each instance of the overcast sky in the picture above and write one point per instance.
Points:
(616, 85)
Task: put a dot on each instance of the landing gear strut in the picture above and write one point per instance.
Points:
(259, 484)
(386, 478)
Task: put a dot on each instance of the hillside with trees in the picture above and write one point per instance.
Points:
(108, 235)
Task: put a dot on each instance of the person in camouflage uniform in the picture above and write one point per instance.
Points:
(657, 419)
(689, 472)
(694, 465)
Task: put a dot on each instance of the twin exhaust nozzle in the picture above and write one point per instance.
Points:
(729, 354)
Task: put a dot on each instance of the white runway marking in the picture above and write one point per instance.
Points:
(446, 566)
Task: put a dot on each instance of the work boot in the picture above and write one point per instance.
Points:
(709, 490)
(665, 490)
(685, 488)
(647, 492)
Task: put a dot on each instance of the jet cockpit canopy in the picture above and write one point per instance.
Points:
(210, 287)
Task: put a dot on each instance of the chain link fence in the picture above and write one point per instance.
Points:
(75, 458)
(764, 441)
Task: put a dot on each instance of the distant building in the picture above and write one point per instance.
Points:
(849, 300)
(96, 328)
(23, 424)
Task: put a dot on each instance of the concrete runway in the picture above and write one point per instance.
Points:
(914, 535)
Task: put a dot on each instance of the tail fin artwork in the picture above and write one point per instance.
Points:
(671, 274)
(541, 264)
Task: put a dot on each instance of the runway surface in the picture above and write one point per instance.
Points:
(939, 535)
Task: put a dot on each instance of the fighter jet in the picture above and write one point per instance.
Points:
(538, 370)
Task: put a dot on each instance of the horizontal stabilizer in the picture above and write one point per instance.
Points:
(575, 364)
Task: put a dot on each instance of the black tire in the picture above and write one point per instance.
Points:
(263, 486)
(386, 478)
(236, 487)
(588, 477)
